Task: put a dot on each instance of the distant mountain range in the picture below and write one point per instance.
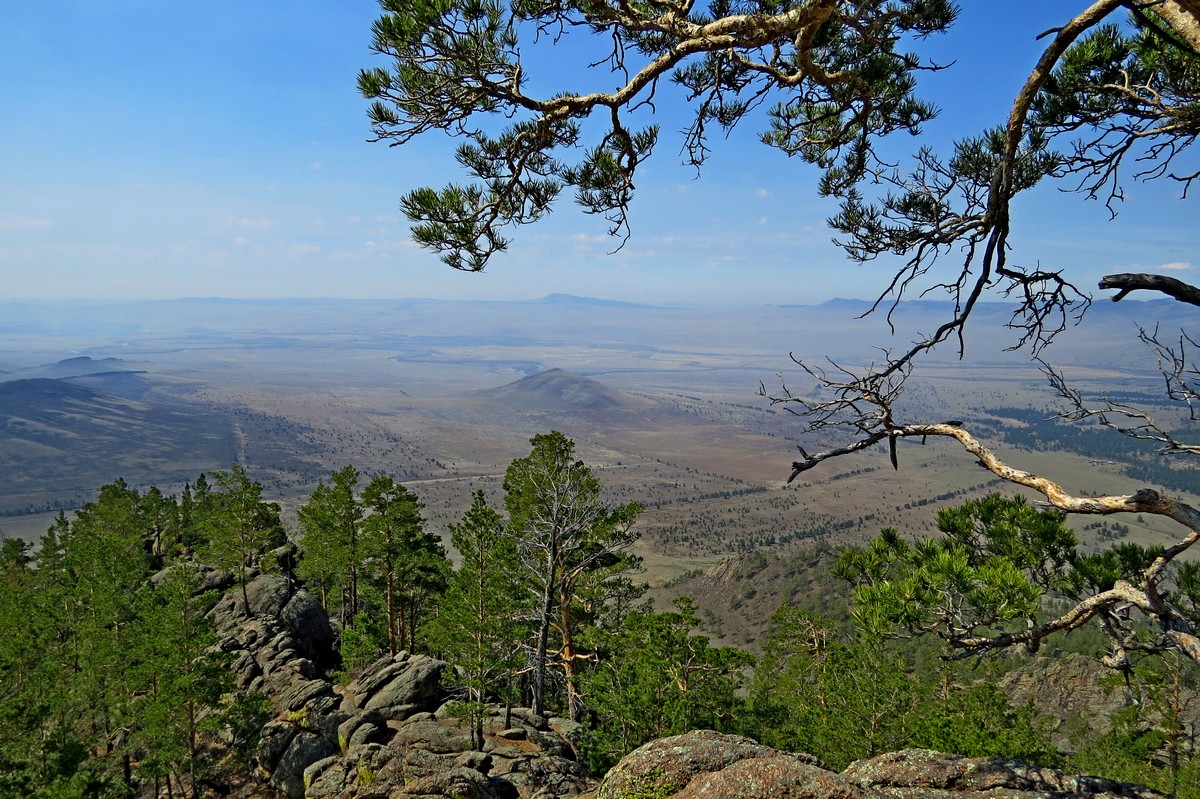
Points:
(104, 329)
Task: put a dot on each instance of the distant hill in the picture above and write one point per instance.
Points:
(571, 299)
(72, 367)
(130, 385)
(58, 439)
(560, 391)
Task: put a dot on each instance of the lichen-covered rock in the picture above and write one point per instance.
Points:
(782, 776)
(920, 772)
(430, 753)
(433, 737)
(305, 749)
(309, 626)
(669, 765)
(273, 741)
(268, 594)
(389, 733)
(459, 782)
(415, 686)
(710, 765)
(301, 692)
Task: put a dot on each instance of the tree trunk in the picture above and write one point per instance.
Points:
(574, 700)
(245, 593)
(1184, 18)
(539, 653)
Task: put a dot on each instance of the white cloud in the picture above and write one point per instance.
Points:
(19, 222)
(1175, 266)
(762, 192)
(583, 239)
(253, 224)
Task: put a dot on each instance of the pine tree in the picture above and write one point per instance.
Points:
(237, 524)
(656, 677)
(567, 538)
(332, 553)
(409, 567)
(180, 679)
(483, 618)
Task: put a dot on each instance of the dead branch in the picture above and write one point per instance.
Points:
(1131, 281)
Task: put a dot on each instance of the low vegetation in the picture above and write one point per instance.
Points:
(113, 685)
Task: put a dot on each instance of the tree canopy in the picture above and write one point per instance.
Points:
(1114, 97)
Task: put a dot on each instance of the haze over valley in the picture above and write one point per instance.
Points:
(661, 401)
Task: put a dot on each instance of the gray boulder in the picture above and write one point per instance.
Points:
(710, 765)
(413, 685)
(305, 749)
(268, 594)
(309, 626)
(920, 772)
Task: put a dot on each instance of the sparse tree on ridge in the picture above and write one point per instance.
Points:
(180, 677)
(330, 542)
(565, 535)
(368, 556)
(1112, 97)
(483, 620)
(408, 565)
(237, 524)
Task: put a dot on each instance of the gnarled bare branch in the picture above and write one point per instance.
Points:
(1126, 282)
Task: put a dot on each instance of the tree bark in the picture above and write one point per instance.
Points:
(1184, 18)
(574, 700)
(539, 653)
(1130, 281)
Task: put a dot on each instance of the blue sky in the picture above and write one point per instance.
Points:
(157, 149)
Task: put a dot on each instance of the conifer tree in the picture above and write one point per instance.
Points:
(656, 677)
(565, 535)
(408, 565)
(179, 678)
(332, 553)
(483, 618)
(237, 524)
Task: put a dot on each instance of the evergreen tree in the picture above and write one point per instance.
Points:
(566, 537)
(408, 566)
(656, 677)
(23, 642)
(1153, 741)
(844, 698)
(105, 563)
(180, 680)
(483, 618)
(236, 524)
(333, 557)
(160, 517)
(989, 579)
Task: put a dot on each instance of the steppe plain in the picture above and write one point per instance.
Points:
(661, 401)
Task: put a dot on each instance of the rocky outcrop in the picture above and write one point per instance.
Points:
(718, 766)
(1070, 690)
(393, 734)
(389, 733)
(429, 754)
